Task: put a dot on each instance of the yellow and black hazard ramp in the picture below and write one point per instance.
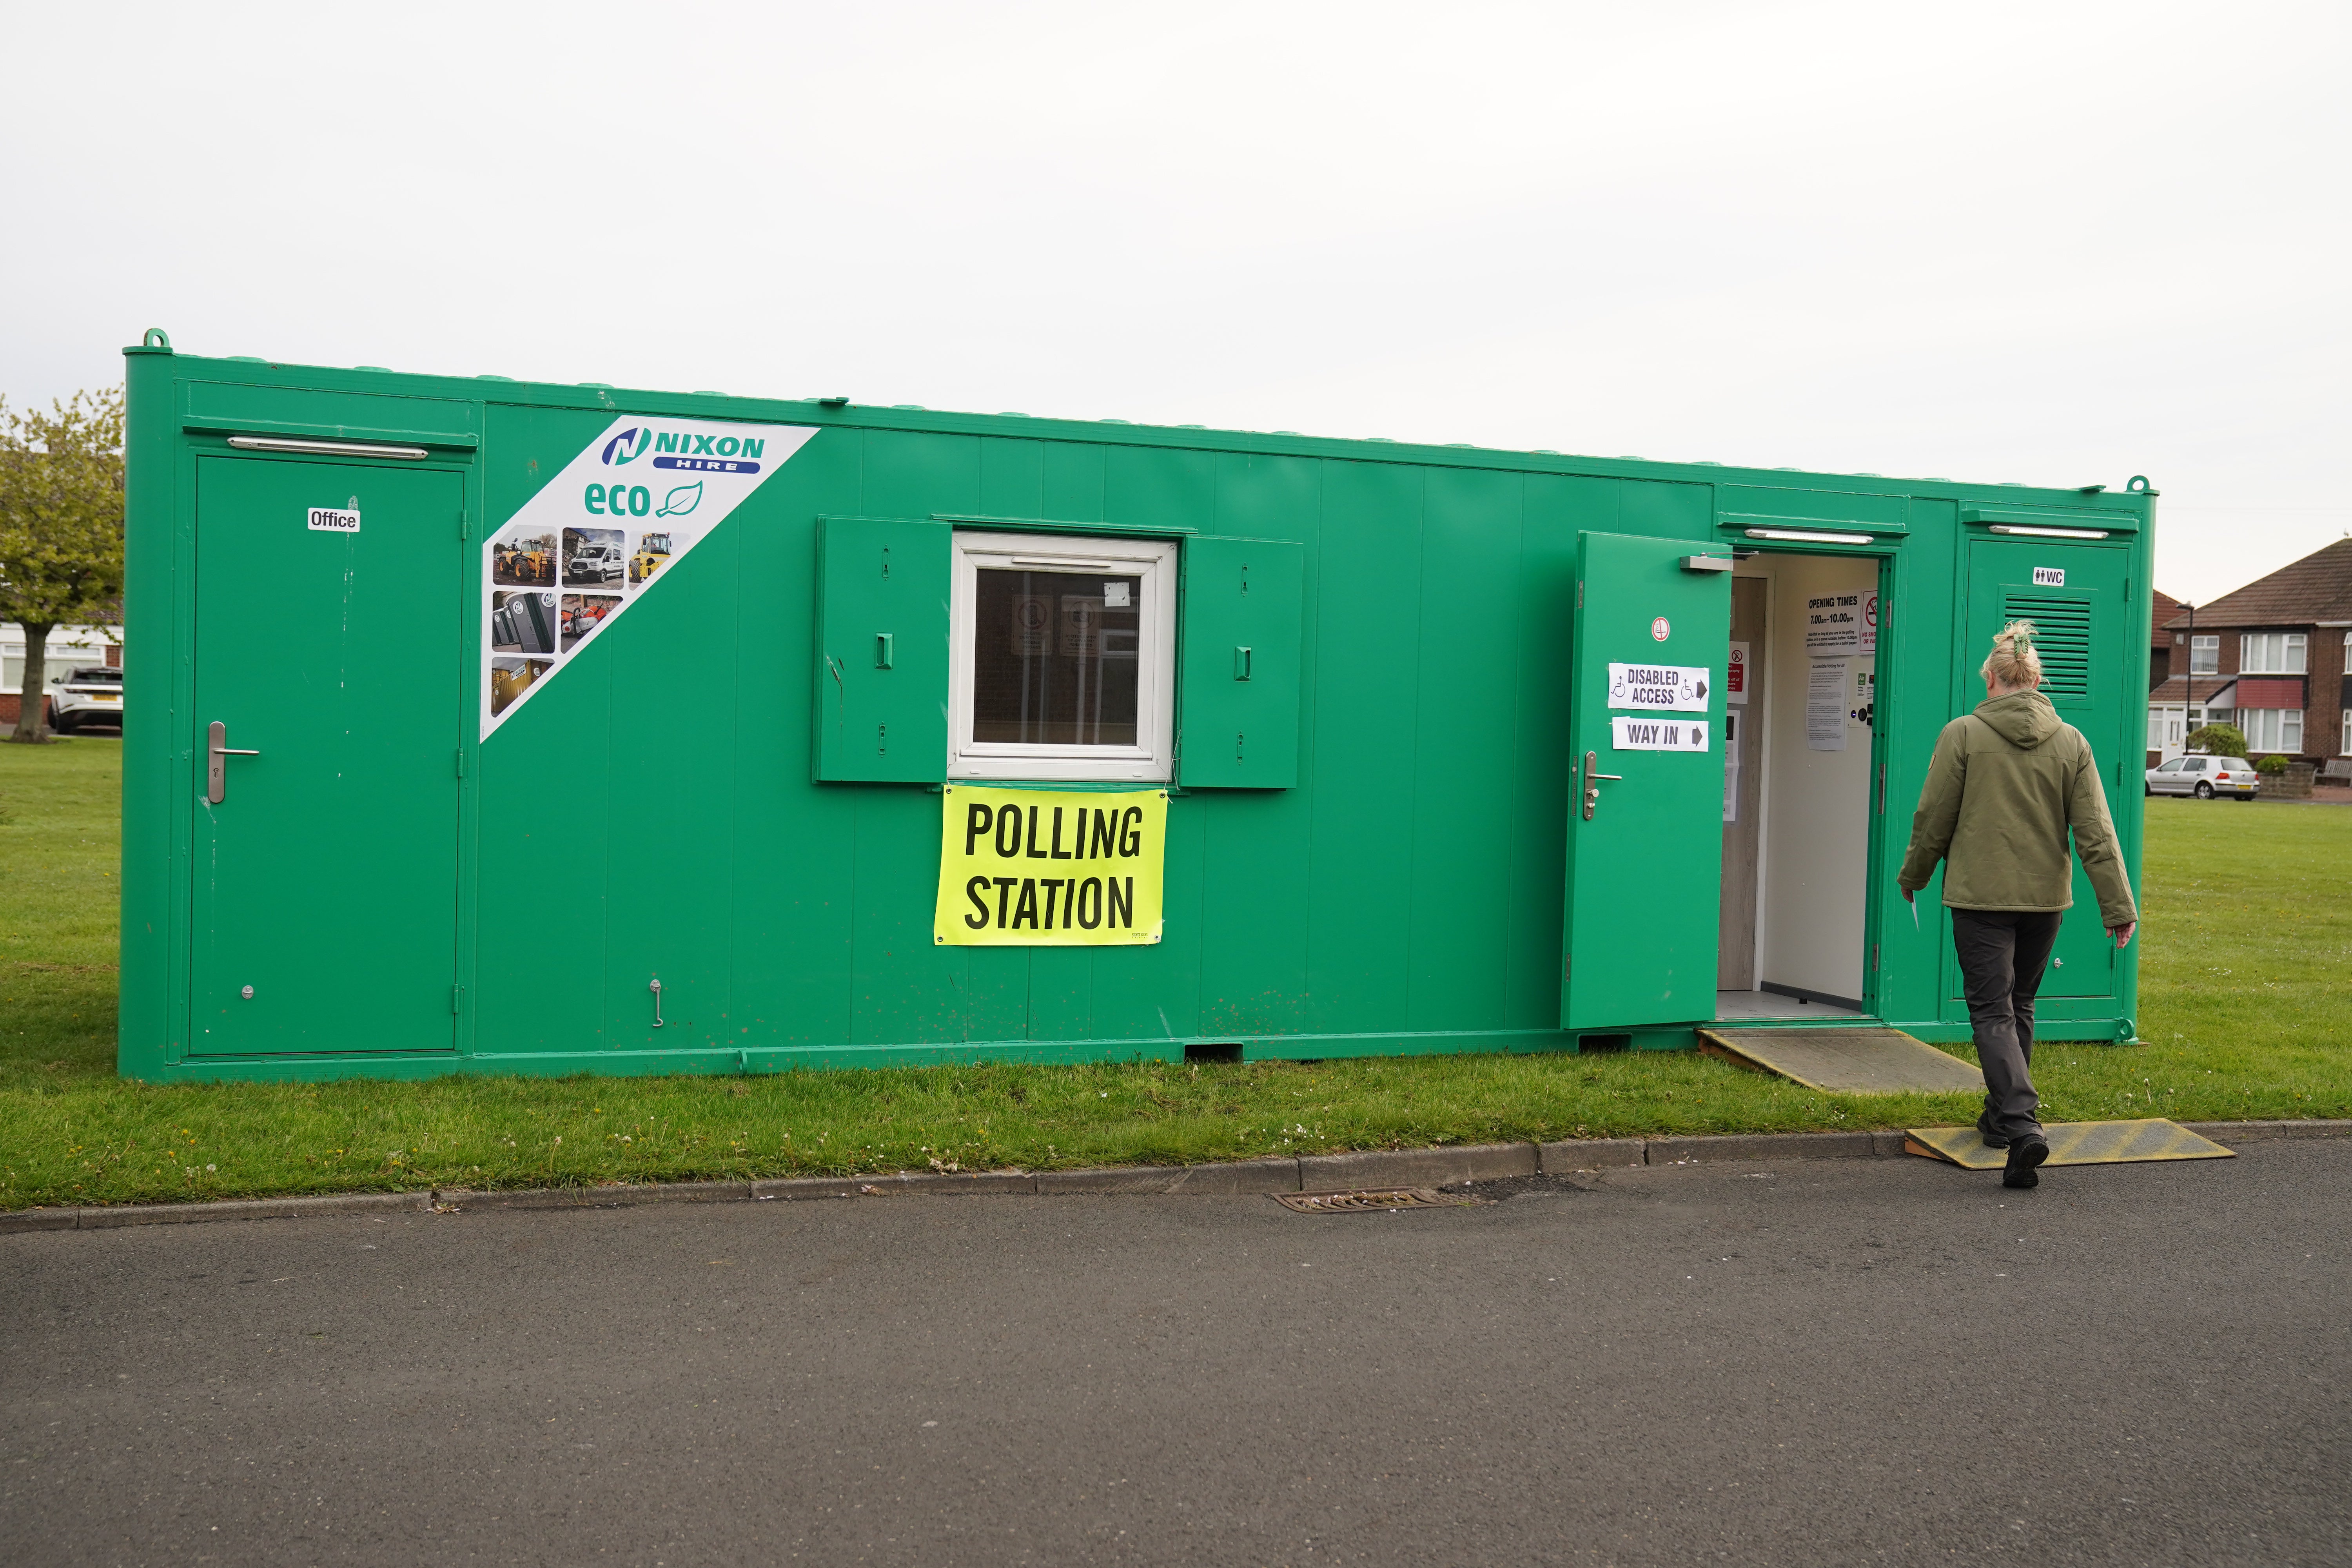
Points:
(1853, 1060)
(2070, 1143)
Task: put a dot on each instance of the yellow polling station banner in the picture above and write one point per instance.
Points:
(1033, 867)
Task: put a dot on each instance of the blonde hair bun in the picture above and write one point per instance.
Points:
(2013, 662)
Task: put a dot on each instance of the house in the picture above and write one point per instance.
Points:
(2274, 658)
(2162, 607)
(67, 646)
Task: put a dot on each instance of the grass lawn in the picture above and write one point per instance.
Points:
(2242, 996)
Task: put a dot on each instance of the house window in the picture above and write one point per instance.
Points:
(2347, 653)
(2205, 656)
(1062, 660)
(2272, 653)
(2271, 729)
(2344, 746)
(2156, 729)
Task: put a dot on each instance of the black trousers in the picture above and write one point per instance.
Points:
(2002, 954)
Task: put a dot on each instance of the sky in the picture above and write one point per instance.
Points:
(2054, 242)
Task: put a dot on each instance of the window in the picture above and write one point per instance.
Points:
(2171, 767)
(2347, 653)
(2205, 656)
(1062, 659)
(2271, 729)
(2155, 729)
(2272, 653)
(2344, 746)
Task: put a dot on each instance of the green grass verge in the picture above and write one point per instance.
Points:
(2248, 929)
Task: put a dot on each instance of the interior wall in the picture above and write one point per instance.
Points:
(1816, 857)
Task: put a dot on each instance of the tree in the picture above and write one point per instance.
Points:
(2220, 740)
(60, 528)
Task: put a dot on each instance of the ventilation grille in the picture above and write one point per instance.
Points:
(2063, 638)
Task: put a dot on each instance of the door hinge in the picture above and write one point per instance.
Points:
(464, 528)
(1580, 593)
(457, 999)
(461, 762)
(1881, 789)
(1873, 958)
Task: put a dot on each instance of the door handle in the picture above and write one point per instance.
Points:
(216, 754)
(1592, 783)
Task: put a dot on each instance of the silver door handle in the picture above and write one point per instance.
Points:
(1592, 783)
(216, 754)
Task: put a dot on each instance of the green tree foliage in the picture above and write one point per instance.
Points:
(60, 528)
(2220, 740)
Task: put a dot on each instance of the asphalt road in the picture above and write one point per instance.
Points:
(1842, 1361)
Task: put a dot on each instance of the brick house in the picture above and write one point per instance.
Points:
(2273, 658)
(2162, 607)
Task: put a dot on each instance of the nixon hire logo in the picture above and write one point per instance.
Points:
(683, 449)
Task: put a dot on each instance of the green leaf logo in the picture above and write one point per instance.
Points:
(681, 500)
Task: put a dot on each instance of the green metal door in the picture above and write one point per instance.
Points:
(327, 641)
(2072, 593)
(1645, 810)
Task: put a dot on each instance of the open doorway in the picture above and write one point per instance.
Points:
(1796, 791)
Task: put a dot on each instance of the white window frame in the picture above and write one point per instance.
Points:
(2209, 646)
(2291, 650)
(2344, 733)
(2265, 730)
(2347, 653)
(1152, 759)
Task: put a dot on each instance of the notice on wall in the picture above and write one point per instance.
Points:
(1833, 625)
(607, 530)
(335, 520)
(1679, 689)
(1657, 734)
(1731, 767)
(1869, 648)
(1825, 706)
(1734, 676)
(1030, 868)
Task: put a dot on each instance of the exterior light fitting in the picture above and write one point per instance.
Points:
(324, 448)
(2049, 533)
(1804, 536)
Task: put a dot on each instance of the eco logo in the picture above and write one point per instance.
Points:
(619, 450)
(563, 570)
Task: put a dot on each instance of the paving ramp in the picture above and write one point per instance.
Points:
(2072, 1143)
(1848, 1060)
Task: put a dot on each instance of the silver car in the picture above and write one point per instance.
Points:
(2206, 777)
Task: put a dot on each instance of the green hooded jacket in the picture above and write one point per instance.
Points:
(2007, 782)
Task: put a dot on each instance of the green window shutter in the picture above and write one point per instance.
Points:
(1237, 716)
(882, 650)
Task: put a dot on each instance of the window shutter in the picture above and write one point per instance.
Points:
(882, 650)
(1237, 714)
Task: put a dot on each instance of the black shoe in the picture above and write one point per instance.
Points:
(2024, 1154)
(1992, 1139)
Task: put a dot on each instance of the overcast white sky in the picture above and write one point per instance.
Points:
(2056, 242)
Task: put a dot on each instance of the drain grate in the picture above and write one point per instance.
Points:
(1377, 1200)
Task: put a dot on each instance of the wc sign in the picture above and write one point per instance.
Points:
(2050, 576)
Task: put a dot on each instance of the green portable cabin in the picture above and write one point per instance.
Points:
(487, 726)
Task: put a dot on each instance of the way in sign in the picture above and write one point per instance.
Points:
(1656, 734)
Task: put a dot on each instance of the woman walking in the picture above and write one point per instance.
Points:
(2006, 784)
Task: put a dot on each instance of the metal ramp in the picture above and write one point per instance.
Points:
(2070, 1143)
(1855, 1060)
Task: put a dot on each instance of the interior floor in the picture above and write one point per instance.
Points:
(1733, 1005)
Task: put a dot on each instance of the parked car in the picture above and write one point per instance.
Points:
(2206, 777)
(595, 564)
(85, 692)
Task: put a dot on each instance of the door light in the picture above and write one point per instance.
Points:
(1802, 536)
(2049, 533)
(324, 448)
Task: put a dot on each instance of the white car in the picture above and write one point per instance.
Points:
(2206, 777)
(91, 693)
